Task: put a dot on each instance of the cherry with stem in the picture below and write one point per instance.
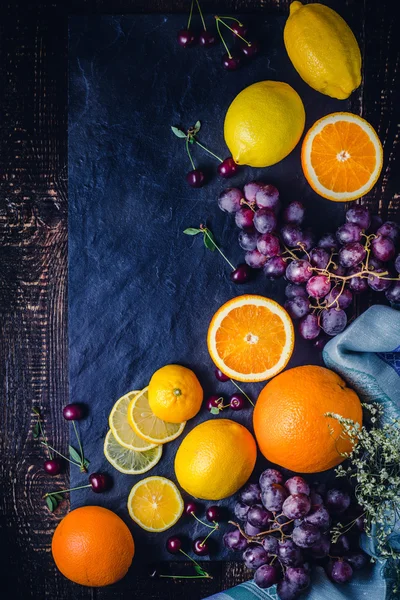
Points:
(206, 39)
(186, 37)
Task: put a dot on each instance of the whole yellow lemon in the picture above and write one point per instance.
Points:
(175, 394)
(323, 49)
(264, 123)
(215, 459)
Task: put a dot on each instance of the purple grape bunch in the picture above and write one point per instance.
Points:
(324, 275)
(286, 526)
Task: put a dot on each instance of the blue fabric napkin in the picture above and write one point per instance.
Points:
(367, 355)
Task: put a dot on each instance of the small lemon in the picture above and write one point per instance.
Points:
(215, 459)
(175, 394)
(264, 123)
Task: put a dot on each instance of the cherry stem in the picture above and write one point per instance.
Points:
(45, 442)
(202, 522)
(207, 150)
(222, 37)
(201, 15)
(231, 19)
(210, 533)
(62, 455)
(244, 393)
(190, 14)
(205, 231)
(189, 154)
(233, 31)
(80, 445)
(81, 487)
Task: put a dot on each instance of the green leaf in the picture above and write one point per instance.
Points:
(74, 454)
(192, 231)
(51, 503)
(178, 132)
(209, 241)
(86, 463)
(199, 570)
(58, 497)
(214, 410)
(36, 430)
(197, 126)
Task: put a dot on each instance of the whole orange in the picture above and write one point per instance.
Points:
(290, 423)
(93, 546)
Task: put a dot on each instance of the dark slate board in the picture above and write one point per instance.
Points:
(141, 294)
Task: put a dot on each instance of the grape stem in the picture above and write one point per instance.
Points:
(256, 538)
(249, 204)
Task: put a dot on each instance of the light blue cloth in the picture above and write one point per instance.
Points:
(367, 355)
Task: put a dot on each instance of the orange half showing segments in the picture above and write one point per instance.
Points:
(341, 157)
(251, 338)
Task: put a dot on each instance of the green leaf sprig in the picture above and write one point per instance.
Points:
(201, 573)
(209, 240)
(190, 137)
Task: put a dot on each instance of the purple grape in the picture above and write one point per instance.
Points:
(298, 576)
(319, 517)
(309, 328)
(294, 213)
(316, 499)
(318, 286)
(333, 320)
(339, 571)
(358, 285)
(268, 197)
(319, 258)
(349, 232)
(291, 235)
(351, 255)
(289, 553)
(240, 509)
(305, 535)
(383, 248)
(275, 267)
(374, 263)
(389, 229)
(270, 476)
(337, 501)
(393, 293)
(297, 485)
(292, 291)
(234, 540)
(297, 307)
(296, 506)
(376, 222)
(251, 494)
(299, 271)
(230, 200)
(337, 270)
(341, 546)
(250, 190)
(268, 244)
(273, 497)
(287, 591)
(397, 263)
(244, 218)
(328, 242)
(321, 548)
(357, 560)
(270, 545)
(378, 284)
(258, 516)
(343, 300)
(255, 259)
(321, 342)
(265, 220)
(307, 240)
(254, 556)
(251, 530)
(248, 240)
(266, 575)
(359, 215)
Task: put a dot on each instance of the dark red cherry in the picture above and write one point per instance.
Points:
(240, 29)
(53, 466)
(174, 544)
(195, 178)
(237, 401)
(73, 412)
(214, 401)
(241, 274)
(220, 375)
(207, 39)
(252, 50)
(233, 62)
(213, 513)
(100, 482)
(200, 548)
(186, 38)
(228, 168)
(191, 508)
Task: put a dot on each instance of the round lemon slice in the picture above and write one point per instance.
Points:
(122, 431)
(149, 427)
(155, 503)
(129, 461)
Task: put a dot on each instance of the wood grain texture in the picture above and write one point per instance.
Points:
(33, 264)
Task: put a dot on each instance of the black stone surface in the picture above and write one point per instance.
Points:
(141, 294)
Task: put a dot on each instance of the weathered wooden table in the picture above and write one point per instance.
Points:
(33, 262)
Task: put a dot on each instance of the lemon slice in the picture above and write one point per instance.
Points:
(149, 427)
(122, 431)
(130, 461)
(155, 503)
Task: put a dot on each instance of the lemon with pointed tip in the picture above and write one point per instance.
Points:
(175, 394)
(264, 123)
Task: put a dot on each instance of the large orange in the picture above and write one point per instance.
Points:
(92, 546)
(290, 423)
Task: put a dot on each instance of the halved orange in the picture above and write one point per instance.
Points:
(341, 157)
(251, 338)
